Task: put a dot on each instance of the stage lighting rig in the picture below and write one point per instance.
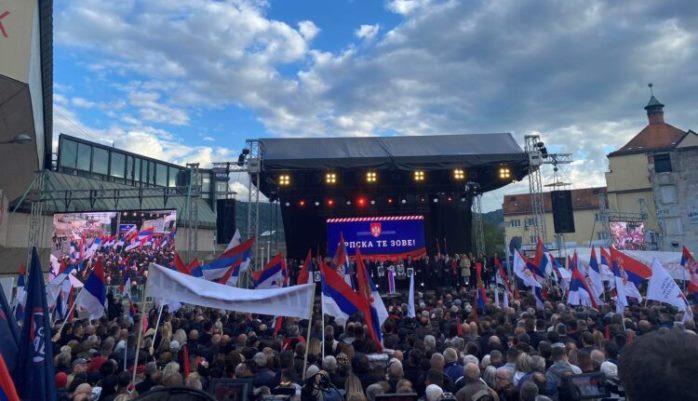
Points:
(284, 180)
(330, 178)
(459, 174)
(371, 177)
(504, 173)
(419, 175)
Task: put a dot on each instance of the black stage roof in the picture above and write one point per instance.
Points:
(306, 160)
(396, 153)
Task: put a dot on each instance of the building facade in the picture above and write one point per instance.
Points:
(518, 221)
(653, 180)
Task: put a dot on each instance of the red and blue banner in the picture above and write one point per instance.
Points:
(378, 236)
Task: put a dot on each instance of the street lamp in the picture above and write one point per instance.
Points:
(20, 139)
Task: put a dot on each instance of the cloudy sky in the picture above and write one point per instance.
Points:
(190, 80)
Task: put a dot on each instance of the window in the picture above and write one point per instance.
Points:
(662, 163)
(172, 177)
(118, 160)
(668, 193)
(206, 185)
(530, 221)
(100, 161)
(673, 226)
(84, 156)
(151, 173)
(602, 235)
(69, 153)
(137, 172)
(161, 175)
(516, 223)
(129, 168)
(221, 187)
(532, 239)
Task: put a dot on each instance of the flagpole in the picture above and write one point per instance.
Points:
(322, 319)
(140, 328)
(310, 324)
(70, 313)
(157, 324)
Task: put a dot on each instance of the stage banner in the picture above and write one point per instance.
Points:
(376, 236)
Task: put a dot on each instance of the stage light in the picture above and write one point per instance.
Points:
(330, 178)
(330, 202)
(458, 174)
(462, 198)
(403, 201)
(301, 203)
(373, 202)
(390, 201)
(450, 199)
(419, 175)
(504, 173)
(317, 203)
(287, 204)
(361, 202)
(435, 200)
(348, 203)
(284, 180)
(371, 177)
(422, 199)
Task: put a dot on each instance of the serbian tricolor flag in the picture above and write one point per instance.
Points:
(580, 293)
(636, 270)
(340, 301)
(691, 266)
(341, 261)
(304, 274)
(369, 291)
(20, 294)
(229, 264)
(94, 294)
(595, 278)
(502, 279)
(273, 275)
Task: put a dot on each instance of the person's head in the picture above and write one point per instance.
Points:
(537, 363)
(80, 366)
(512, 355)
(471, 373)
(503, 378)
(433, 392)
(356, 397)
(488, 375)
(437, 361)
(83, 392)
(450, 355)
(558, 354)
(353, 385)
(260, 360)
(172, 379)
(394, 370)
(523, 363)
(373, 390)
(496, 358)
(528, 392)
(329, 364)
(194, 381)
(660, 366)
(597, 358)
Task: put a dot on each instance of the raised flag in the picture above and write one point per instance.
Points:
(273, 274)
(93, 296)
(606, 270)
(579, 294)
(9, 334)
(7, 386)
(663, 288)
(501, 279)
(34, 376)
(522, 271)
(621, 298)
(481, 293)
(304, 274)
(377, 313)
(340, 301)
(411, 311)
(636, 270)
(341, 261)
(691, 268)
(595, 277)
(20, 294)
(96, 244)
(230, 263)
(235, 241)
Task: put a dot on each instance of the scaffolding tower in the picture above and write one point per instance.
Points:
(535, 185)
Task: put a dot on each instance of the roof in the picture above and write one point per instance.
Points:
(57, 181)
(399, 152)
(582, 199)
(653, 103)
(654, 137)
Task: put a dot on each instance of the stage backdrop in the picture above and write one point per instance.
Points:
(377, 236)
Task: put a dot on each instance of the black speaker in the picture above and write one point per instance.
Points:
(563, 214)
(225, 220)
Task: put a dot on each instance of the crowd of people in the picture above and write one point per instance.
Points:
(451, 350)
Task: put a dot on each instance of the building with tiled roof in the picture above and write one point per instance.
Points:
(643, 182)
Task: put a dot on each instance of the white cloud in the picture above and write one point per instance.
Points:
(367, 32)
(405, 7)
(308, 29)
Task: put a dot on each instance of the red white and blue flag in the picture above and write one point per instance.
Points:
(7, 386)
(273, 275)
(691, 267)
(636, 270)
(93, 296)
(594, 273)
(227, 267)
(20, 294)
(580, 294)
(378, 313)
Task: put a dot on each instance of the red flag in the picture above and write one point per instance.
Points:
(459, 327)
(303, 276)
(185, 357)
(7, 386)
(179, 264)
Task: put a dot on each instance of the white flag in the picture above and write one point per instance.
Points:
(663, 288)
(523, 272)
(235, 241)
(170, 285)
(410, 300)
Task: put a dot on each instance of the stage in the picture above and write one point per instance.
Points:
(393, 195)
